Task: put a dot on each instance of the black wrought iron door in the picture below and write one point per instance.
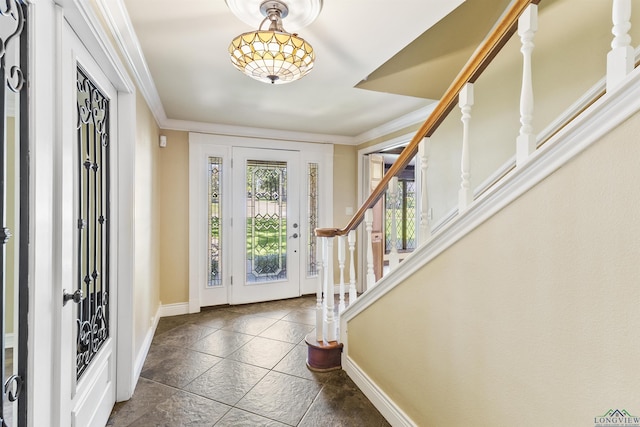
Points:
(14, 208)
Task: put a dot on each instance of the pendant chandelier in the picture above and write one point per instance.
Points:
(272, 56)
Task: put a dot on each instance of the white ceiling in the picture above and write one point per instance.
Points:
(189, 77)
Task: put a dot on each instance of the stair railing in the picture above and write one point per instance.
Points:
(520, 17)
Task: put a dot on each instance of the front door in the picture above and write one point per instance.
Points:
(266, 225)
(253, 212)
(85, 238)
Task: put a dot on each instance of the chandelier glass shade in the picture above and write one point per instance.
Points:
(272, 56)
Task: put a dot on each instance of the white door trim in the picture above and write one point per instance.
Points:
(199, 145)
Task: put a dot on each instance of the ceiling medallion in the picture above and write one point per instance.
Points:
(273, 55)
(302, 13)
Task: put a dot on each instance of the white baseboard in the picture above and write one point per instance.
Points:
(177, 309)
(380, 400)
(146, 345)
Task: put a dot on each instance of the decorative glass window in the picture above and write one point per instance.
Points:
(215, 221)
(312, 209)
(405, 210)
(266, 234)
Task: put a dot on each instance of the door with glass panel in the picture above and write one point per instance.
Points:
(266, 225)
(243, 251)
(88, 362)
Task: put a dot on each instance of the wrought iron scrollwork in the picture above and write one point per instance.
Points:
(13, 387)
(5, 235)
(91, 335)
(13, 19)
(93, 224)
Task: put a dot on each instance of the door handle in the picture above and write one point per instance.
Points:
(75, 297)
(294, 235)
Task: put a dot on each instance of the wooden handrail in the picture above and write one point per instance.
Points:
(480, 59)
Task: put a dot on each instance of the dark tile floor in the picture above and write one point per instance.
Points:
(241, 366)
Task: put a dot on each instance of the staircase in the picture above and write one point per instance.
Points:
(520, 303)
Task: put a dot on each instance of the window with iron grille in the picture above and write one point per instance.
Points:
(404, 207)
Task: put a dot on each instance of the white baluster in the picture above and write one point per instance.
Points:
(526, 141)
(320, 244)
(620, 59)
(353, 294)
(394, 258)
(368, 223)
(330, 321)
(341, 258)
(425, 219)
(465, 99)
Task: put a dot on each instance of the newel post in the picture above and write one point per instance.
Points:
(329, 295)
(323, 349)
(526, 141)
(321, 242)
(465, 100)
(620, 59)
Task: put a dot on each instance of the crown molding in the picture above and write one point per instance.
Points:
(89, 29)
(415, 117)
(117, 18)
(251, 132)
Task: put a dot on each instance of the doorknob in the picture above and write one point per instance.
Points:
(294, 235)
(75, 297)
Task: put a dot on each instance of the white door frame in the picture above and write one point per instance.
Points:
(200, 147)
(45, 405)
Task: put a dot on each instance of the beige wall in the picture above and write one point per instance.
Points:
(174, 218)
(345, 194)
(146, 212)
(345, 171)
(146, 217)
(532, 318)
